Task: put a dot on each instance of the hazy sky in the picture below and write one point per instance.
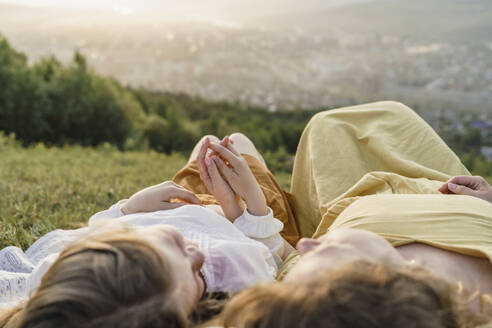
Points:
(258, 7)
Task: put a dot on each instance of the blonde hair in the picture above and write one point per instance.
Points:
(114, 279)
(360, 294)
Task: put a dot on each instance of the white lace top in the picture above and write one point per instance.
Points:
(238, 255)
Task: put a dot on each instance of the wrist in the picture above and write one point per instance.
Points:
(232, 211)
(232, 207)
(256, 204)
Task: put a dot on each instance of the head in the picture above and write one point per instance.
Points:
(124, 278)
(356, 294)
(339, 247)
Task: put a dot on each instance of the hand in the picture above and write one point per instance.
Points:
(467, 185)
(229, 201)
(237, 173)
(159, 197)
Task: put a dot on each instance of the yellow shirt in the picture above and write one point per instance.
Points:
(378, 167)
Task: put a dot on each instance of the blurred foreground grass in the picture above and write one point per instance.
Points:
(42, 189)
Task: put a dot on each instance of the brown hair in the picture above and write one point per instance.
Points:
(360, 294)
(114, 279)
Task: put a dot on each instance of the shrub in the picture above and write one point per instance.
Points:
(156, 133)
(22, 102)
(279, 161)
(84, 107)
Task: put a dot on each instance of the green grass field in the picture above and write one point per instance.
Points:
(42, 189)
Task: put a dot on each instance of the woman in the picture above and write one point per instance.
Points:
(367, 181)
(386, 173)
(204, 247)
(115, 279)
(358, 294)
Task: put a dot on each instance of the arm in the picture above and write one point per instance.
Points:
(231, 203)
(164, 196)
(265, 229)
(235, 170)
(468, 185)
(257, 221)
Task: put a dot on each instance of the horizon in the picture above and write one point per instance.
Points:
(363, 51)
(217, 8)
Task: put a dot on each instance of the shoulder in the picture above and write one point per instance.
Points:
(235, 265)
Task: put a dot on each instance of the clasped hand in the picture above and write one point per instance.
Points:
(229, 179)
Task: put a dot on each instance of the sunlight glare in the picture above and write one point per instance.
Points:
(124, 11)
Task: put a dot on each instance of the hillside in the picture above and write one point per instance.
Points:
(431, 54)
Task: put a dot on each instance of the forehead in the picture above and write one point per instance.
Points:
(352, 236)
(166, 240)
(161, 231)
(339, 247)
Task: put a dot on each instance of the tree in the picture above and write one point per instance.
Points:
(22, 102)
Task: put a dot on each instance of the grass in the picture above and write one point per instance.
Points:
(42, 189)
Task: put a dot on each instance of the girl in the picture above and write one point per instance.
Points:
(396, 239)
(225, 240)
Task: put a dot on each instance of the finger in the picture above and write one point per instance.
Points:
(229, 140)
(223, 168)
(204, 175)
(460, 190)
(201, 161)
(444, 188)
(224, 141)
(207, 181)
(165, 185)
(185, 195)
(214, 171)
(177, 185)
(465, 180)
(203, 149)
(202, 169)
(181, 187)
(225, 153)
(233, 149)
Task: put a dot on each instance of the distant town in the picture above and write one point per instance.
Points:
(448, 83)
